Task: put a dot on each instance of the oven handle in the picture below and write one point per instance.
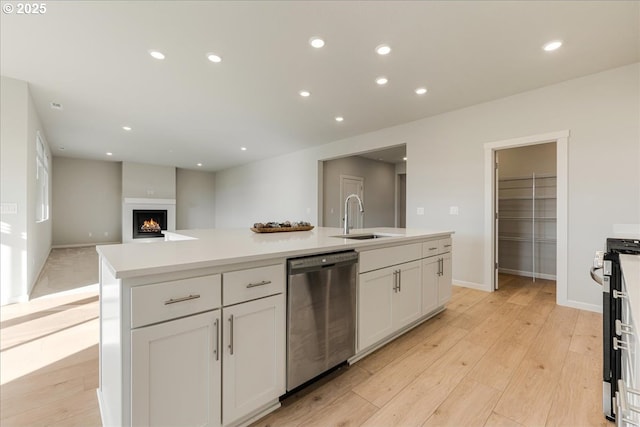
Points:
(594, 276)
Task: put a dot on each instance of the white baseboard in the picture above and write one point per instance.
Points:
(37, 276)
(472, 285)
(583, 306)
(16, 299)
(82, 245)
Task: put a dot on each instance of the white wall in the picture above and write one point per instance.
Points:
(379, 191)
(445, 167)
(141, 180)
(195, 199)
(25, 243)
(39, 234)
(87, 201)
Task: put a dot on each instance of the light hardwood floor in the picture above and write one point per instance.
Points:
(508, 358)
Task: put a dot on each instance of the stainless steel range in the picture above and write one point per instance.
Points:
(613, 316)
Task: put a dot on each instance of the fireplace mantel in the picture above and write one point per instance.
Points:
(130, 204)
(131, 200)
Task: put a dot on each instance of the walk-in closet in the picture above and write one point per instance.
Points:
(526, 211)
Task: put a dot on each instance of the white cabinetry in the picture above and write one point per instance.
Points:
(375, 306)
(175, 364)
(254, 356)
(436, 274)
(389, 299)
(400, 286)
(198, 359)
(175, 372)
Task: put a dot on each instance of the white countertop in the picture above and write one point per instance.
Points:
(218, 247)
(631, 272)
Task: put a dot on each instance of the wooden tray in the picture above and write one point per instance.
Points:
(281, 229)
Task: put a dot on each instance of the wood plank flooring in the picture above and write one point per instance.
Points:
(508, 358)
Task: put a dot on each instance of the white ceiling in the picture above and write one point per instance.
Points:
(92, 57)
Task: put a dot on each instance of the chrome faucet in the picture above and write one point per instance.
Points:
(346, 211)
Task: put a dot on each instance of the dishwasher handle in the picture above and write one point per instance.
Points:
(321, 262)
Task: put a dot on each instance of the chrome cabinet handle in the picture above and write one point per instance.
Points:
(623, 328)
(447, 246)
(433, 249)
(175, 300)
(216, 350)
(253, 285)
(399, 280)
(231, 334)
(395, 280)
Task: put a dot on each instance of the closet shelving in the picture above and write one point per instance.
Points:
(527, 226)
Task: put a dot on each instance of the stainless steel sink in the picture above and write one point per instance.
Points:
(364, 236)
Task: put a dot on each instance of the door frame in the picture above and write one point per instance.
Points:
(561, 138)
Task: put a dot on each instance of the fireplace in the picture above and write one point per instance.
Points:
(149, 223)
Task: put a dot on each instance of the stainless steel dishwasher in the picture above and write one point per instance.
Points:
(321, 314)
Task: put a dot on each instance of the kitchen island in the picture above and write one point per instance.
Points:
(192, 329)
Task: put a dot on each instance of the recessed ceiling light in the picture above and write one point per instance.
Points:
(304, 93)
(316, 42)
(127, 128)
(56, 106)
(382, 80)
(109, 154)
(156, 54)
(243, 148)
(421, 90)
(404, 158)
(551, 46)
(383, 49)
(339, 119)
(214, 58)
(199, 164)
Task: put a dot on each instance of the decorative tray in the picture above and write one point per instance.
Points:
(278, 227)
(281, 229)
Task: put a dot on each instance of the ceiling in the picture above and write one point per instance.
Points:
(93, 59)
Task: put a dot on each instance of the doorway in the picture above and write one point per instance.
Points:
(561, 139)
(379, 172)
(526, 200)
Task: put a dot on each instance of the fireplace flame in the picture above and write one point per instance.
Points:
(150, 225)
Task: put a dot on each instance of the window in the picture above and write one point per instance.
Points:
(42, 181)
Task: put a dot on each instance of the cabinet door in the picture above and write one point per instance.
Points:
(375, 293)
(445, 279)
(430, 269)
(175, 372)
(407, 298)
(254, 356)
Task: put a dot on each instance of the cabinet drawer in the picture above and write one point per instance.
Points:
(445, 245)
(169, 300)
(245, 285)
(430, 248)
(435, 247)
(380, 258)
